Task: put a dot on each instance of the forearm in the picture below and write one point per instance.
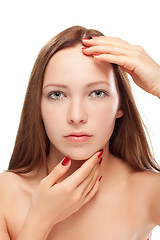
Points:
(28, 235)
(32, 234)
(33, 230)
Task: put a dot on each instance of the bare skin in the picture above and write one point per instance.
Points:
(122, 207)
(133, 59)
(125, 204)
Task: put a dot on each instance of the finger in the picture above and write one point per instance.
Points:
(115, 50)
(80, 174)
(83, 185)
(86, 186)
(92, 192)
(110, 41)
(128, 63)
(118, 40)
(57, 173)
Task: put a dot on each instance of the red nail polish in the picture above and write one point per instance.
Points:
(101, 152)
(100, 178)
(65, 161)
(100, 160)
(94, 36)
(84, 47)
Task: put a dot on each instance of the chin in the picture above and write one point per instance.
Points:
(81, 155)
(79, 159)
(77, 153)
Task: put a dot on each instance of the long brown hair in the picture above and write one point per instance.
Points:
(128, 140)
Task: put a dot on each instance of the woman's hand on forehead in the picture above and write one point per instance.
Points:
(132, 58)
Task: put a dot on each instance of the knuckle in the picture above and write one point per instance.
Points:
(67, 189)
(138, 53)
(96, 159)
(83, 173)
(59, 170)
(117, 38)
(138, 47)
(76, 198)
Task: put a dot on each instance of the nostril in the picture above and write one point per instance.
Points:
(77, 113)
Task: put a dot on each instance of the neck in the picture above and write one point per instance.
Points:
(55, 157)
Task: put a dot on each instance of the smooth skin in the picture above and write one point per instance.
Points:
(68, 196)
(132, 58)
(83, 98)
(84, 181)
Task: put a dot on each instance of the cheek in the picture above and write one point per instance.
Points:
(105, 119)
(51, 119)
(106, 113)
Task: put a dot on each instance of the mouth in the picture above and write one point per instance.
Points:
(78, 137)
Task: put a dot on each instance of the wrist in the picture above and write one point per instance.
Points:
(156, 91)
(32, 234)
(33, 230)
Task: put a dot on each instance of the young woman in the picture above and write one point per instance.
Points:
(79, 125)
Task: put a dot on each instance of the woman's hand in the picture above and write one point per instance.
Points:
(53, 202)
(133, 59)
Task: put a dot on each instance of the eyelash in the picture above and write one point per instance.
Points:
(59, 92)
(50, 94)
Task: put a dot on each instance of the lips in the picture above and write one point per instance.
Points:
(78, 137)
(79, 134)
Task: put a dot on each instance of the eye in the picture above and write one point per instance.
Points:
(99, 94)
(56, 95)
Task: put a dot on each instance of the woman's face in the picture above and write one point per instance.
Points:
(79, 97)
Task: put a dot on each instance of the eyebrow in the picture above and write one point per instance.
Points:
(87, 85)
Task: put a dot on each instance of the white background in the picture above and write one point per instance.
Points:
(26, 25)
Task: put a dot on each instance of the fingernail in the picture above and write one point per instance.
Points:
(100, 178)
(100, 160)
(101, 152)
(94, 36)
(65, 161)
(84, 47)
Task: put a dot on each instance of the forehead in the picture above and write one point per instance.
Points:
(72, 63)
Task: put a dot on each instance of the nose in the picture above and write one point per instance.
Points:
(77, 113)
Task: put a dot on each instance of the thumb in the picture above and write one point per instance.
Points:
(58, 172)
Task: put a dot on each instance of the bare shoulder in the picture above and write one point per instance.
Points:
(147, 184)
(15, 194)
(148, 175)
(8, 186)
(12, 187)
(16, 191)
(9, 181)
(148, 181)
